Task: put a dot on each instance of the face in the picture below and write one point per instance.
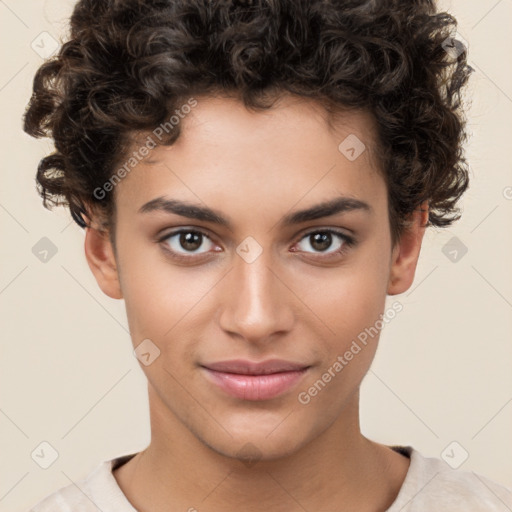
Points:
(221, 273)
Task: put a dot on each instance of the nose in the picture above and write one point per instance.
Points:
(257, 303)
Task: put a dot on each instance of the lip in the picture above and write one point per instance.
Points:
(255, 381)
(244, 367)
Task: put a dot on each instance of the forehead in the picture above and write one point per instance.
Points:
(226, 121)
(285, 154)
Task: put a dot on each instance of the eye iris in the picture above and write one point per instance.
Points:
(190, 238)
(324, 239)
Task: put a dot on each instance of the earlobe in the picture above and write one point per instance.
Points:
(102, 262)
(406, 252)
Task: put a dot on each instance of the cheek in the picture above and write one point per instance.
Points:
(346, 300)
(350, 303)
(350, 306)
(147, 288)
(161, 298)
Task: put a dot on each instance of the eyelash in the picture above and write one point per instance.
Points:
(348, 242)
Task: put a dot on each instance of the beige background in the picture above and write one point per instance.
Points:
(68, 376)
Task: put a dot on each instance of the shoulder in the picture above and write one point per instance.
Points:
(431, 483)
(97, 491)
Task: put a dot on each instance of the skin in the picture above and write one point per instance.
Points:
(305, 306)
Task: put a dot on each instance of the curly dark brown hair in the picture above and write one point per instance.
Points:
(129, 64)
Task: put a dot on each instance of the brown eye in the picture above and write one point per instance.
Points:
(322, 240)
(190, 241)
(186, 241)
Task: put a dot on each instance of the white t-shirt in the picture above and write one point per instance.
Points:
(430, 485)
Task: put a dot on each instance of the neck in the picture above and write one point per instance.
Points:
(339, 467)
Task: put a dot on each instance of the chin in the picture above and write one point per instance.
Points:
(257, 445)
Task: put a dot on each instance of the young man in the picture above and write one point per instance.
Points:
(254, 179)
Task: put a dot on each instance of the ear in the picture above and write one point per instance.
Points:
(406, 252)
(102, 262)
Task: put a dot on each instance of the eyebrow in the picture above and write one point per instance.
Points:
(341, 204)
